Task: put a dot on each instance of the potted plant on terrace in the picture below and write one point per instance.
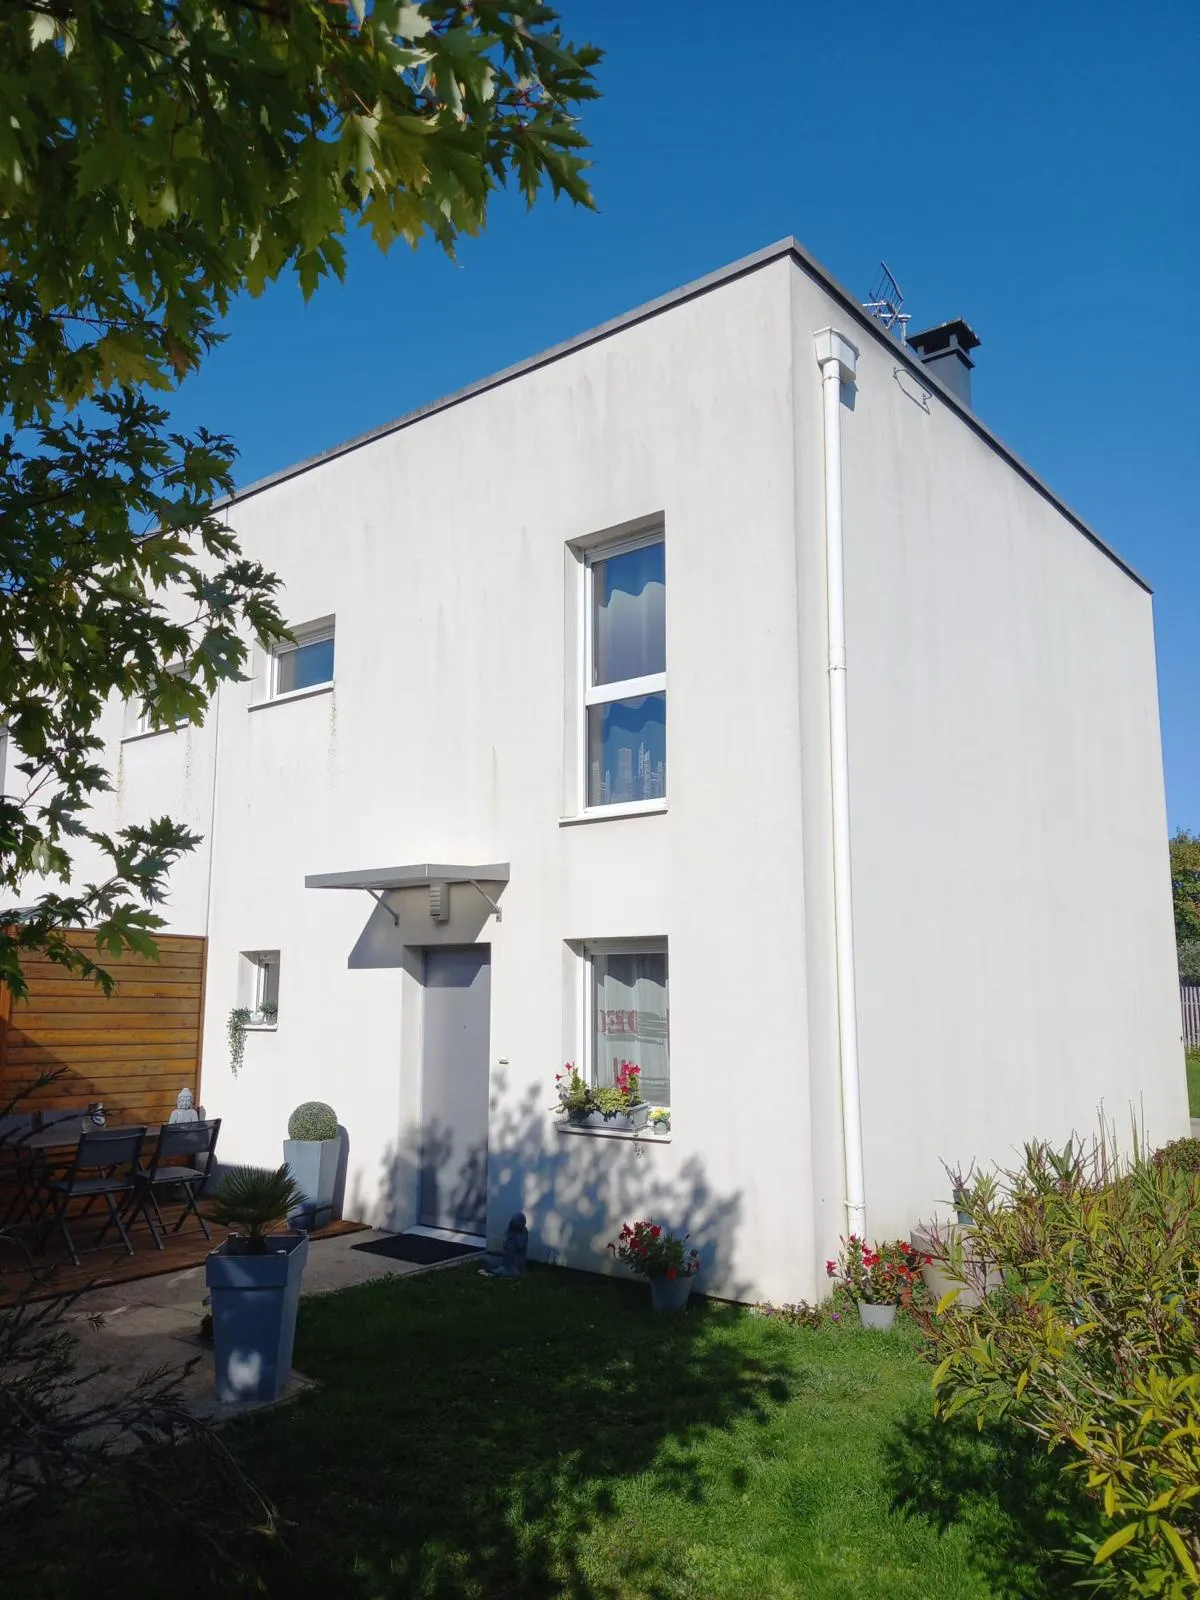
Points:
(662, 1258)
(877, 1277)
(618, 1106)
(310, 1153)
(254, 1283)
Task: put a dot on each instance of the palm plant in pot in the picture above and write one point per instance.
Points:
(662, 1258)
(878, 1277)
(254, 1283)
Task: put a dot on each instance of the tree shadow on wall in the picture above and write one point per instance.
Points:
(574, 1190)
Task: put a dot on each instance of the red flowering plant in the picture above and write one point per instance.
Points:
(881, 1274)
(654, 1251)
(578, 1098)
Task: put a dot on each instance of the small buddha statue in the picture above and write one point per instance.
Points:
(185, 1108)
(514, 1251)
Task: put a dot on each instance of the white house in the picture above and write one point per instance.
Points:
(719, 665)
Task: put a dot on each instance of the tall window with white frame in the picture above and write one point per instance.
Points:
(305, 664)
(625, 674)
(628, 1015)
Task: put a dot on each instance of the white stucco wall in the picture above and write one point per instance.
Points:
(440, 548)
(1015, 947)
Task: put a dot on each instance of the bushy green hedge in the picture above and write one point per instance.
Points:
(312, 1121)
(1092, 1343)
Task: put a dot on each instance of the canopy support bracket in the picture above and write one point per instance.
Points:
(493, 905)
(380, 901)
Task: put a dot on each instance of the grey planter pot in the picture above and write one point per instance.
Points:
(313, 1164)
(254, 1304)
(880, 1317)
(621, 1121)
(938, 1278)
(670, 1294)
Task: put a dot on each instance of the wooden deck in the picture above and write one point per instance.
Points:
(109, 1264)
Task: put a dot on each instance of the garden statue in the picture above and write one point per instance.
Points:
(510, 1263)
(185, 1108)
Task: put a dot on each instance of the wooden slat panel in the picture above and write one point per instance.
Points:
(134, 1051)
(85, 1005)
(145, 972)
(32, 1056)
(149, 989)
(162, 1030)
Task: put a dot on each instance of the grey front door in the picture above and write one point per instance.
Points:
(454, 1089)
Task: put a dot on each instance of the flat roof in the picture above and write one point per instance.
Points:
(783, 248)
(381, 879)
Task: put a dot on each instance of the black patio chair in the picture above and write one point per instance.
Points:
(194, 1144)
(105, 1165)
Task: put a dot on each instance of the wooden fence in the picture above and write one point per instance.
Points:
(134, 1052)
(1189, 994)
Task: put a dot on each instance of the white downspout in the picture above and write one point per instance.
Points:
(838, 359)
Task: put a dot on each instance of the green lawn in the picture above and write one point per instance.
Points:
(1193, 1072)
(549, 1437)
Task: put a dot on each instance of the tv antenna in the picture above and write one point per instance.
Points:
(886, 302)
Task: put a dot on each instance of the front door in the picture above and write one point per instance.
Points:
(454, 1089)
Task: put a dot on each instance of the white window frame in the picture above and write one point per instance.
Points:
(144, 725)
(311, 633)
(255, 964)
(623, 689)
(589, 950)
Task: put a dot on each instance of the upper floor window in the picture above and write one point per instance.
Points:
(306, 664)
(150, 722)
(625, 673)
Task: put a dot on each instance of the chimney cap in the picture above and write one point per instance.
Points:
(956, 335)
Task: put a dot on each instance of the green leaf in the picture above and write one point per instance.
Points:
(1116, 1541)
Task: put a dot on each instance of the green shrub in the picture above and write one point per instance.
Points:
(1092, 1343)
(312, 1121)
(1181, 1154)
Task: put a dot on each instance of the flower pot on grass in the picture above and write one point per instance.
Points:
(670, 1294)
(879, 1277)
(254, 1284)
(662, 1258)
(876, 1316)
(311, 1153)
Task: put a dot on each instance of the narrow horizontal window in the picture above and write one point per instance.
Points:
(306, 664)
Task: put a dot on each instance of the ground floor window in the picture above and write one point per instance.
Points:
(629, 1015)
(259, 987)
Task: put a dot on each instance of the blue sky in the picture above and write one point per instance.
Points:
(1034, 168)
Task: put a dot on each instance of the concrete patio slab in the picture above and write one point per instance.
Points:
(151, 1324)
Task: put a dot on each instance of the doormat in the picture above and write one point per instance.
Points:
(415, 1247)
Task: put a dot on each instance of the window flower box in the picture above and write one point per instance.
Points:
(618, 1107)
(627, 1121)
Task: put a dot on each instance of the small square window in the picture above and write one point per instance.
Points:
(306, 664)
(624, 737)
(628, 1016)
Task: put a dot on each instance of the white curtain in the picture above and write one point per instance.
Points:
(632, 1020)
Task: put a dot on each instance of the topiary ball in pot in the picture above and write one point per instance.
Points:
(312, 1122)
